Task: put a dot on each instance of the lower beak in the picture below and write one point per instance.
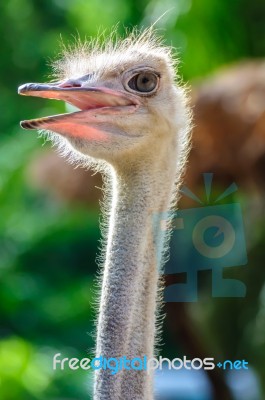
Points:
(92, 102)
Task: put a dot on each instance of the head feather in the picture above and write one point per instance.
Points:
(110, 51)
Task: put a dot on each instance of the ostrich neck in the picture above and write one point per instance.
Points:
(127, 317)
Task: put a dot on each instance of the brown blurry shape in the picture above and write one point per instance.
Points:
(52, 173)
(229, 132)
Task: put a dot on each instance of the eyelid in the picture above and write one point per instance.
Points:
(139, 70)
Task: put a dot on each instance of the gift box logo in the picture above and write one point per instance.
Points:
(209, 237)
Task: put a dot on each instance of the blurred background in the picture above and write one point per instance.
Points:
(49, 225)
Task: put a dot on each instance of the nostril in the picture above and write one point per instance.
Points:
(76, 82)
(71, 83)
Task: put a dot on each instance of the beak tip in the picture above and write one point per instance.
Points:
(22, 89)
(26, 88)
(24, 125)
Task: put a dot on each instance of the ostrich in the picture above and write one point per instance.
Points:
(133, 124)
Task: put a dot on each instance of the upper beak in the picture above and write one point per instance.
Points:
(90, 101)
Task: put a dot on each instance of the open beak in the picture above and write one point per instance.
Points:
(93, 103)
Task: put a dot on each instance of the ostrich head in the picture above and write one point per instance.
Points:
(126, 96)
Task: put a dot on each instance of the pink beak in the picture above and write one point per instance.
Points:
(92, 102)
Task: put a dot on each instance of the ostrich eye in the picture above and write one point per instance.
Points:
(145, 82)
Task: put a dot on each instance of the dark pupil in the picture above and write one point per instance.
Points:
(145, 82)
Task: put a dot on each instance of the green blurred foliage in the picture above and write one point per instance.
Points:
(48, 247)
